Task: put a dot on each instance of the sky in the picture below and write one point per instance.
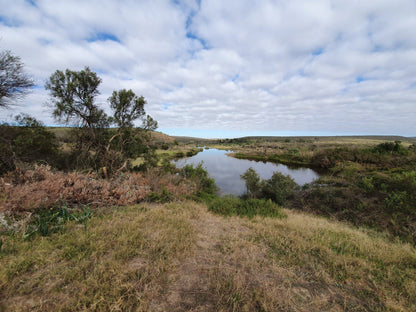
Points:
(229, 68)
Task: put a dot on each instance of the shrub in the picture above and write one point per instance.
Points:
(27, 143)
(200, 176)
(163, 197)
(279, 188)
(390, 147)
(228, 206)
(366, 183)
(41, 187)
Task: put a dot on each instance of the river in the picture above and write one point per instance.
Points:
(226, 170)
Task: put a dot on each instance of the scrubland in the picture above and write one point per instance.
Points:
(159, 239)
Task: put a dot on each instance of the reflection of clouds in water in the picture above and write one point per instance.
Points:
(227, 170)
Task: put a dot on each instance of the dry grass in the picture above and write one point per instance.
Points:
(118, 263)
(180, 257)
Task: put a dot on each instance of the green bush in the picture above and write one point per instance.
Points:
(205, 184)
(28, 142)
(167, 166)
(279, 188)
(390, 147)
(228, 206)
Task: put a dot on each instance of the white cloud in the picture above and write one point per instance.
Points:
(322, 66)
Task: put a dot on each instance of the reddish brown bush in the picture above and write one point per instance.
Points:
(41, 187)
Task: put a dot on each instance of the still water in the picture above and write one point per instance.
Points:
(226, 170)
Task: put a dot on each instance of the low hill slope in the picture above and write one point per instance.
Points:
(180, 257)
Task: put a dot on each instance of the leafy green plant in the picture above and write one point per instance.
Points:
(27, 142)
(167, 166)
(48, 221)
(395, 200)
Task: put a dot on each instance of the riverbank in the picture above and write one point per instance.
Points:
(179, 256)
(365, 181)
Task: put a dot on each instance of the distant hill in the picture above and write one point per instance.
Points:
(296, 138)
(331, 138)
(160, 137)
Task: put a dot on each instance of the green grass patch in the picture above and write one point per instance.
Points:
(228, 206)
(51, 220)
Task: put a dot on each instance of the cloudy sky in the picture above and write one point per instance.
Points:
(228, 68)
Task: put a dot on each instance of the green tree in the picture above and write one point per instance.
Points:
(73, 95)
(127, 107)
(252, 180)
(13, 81)
(128, 141)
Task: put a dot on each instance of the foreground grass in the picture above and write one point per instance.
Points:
(117, 263)
(180, 257)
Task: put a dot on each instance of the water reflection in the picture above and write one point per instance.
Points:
(227, 170)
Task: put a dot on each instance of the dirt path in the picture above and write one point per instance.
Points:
(231, 269)
(190, 284)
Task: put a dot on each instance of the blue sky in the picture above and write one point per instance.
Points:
(215, 68)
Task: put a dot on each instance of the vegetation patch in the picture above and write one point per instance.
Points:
(32, 189)
(48, 221)
(228, 206)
